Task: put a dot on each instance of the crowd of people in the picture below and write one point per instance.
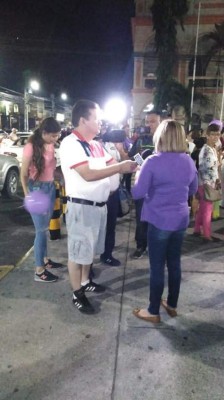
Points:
(94, 164)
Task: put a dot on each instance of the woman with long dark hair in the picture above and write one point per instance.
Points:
(37, 173)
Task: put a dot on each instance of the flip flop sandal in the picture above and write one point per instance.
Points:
(155, 319)
(170, 311)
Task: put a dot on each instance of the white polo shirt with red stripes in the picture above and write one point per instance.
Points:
(72, 154)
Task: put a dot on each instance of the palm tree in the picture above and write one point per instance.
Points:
(176, 94)
(214, 41)
(166, 14)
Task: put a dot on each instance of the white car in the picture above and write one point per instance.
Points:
(9, 175)
(15, 149)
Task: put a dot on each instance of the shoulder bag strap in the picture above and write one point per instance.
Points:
(86, 147)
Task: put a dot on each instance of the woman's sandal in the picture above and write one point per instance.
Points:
(155, 319)
(53, 264)
(172, 312)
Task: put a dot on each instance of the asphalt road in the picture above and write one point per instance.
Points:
(16, 230)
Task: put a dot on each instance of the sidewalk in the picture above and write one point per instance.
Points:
(50, 351)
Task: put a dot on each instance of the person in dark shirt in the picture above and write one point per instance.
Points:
(144, 145)
(199, 143)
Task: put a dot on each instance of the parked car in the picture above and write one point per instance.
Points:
(9, 175)
(15, 149)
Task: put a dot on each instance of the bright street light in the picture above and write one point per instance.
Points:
(115, 110)
(64, 96)
(34, 85)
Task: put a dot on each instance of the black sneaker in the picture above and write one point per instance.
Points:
(113, 262)
(45, 276)
(52, 264)
(94, 287)
(210, 240)
(81, 302)
(196, 234)
(138, 253)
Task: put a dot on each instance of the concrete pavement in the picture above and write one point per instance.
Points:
(51, 351)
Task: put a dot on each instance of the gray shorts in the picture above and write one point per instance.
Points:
(86, 227)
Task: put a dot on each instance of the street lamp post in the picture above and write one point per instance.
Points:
(34, 85)
(26, 110)
(53, 105)
(63, 97)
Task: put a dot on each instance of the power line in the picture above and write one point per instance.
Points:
(57, 48)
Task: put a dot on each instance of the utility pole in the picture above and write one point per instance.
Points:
(26, 110)
(53, 105)
(222, 103)
(195, 60)
(33, 85)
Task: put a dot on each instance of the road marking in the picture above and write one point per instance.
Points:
(24, 257)
(5, 269)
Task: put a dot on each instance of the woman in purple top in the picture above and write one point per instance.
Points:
(165, 181)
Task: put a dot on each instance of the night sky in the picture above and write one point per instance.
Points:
(82, 47)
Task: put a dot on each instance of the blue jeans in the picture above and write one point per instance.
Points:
(41, 222)
(164, 249)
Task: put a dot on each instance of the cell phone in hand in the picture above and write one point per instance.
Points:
(138, 158)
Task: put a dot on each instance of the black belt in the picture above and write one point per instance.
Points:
(87, 202)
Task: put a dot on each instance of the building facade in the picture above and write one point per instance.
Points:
(12, 107)
(209, 81)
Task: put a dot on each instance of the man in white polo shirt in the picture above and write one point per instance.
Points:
(86, 167)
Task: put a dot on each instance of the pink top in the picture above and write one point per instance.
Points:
(50, 163)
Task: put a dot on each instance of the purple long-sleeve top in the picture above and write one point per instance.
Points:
(166, 180)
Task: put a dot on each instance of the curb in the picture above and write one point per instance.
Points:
(24, 257)
(5, 269)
